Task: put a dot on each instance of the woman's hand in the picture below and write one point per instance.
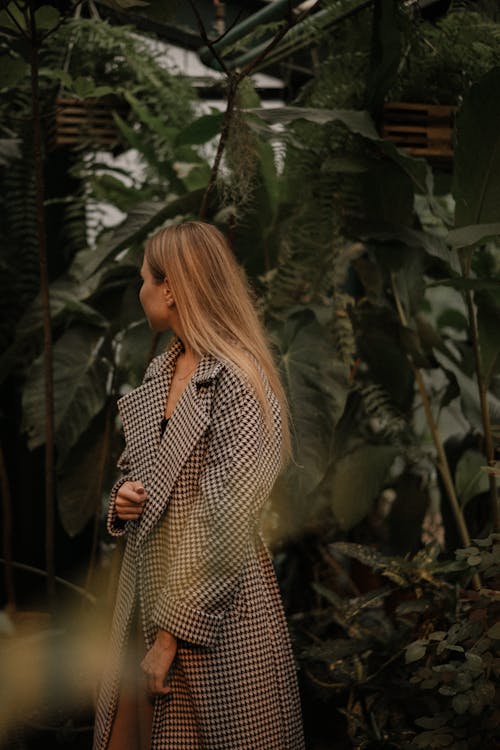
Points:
(158, 661)
(130, 500)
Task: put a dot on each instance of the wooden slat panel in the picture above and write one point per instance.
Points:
(85, 120)
(421, 129)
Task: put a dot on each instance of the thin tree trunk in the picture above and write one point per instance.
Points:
(442, 461)
(47, 325)
(98, 490)
(233, 81)
(489, 448)
(226, 125)
(7, 534)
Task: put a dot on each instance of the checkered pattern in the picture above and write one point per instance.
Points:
(196, 565)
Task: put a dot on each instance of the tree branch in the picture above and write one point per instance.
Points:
(210, 44)
(47, 322)
(24, 32)
(234, 80)
(230, 27)
(442, 460)
(489, 448)
(61, 21)
(276, 39)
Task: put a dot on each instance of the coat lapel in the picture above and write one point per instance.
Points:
(159, 462)
(141, 411)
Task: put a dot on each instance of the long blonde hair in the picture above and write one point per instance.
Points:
(217, 308)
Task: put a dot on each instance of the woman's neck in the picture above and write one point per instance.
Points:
(188, 355)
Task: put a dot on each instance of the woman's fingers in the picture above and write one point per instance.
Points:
(132, 491)
(155, 685)
(156, 665)
(131, 515)
(128, 512)
(130, 501)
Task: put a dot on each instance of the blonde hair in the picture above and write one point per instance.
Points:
(217, 308)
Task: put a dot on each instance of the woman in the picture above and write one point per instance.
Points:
(198, 606)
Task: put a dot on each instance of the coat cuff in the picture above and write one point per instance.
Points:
(115, 525)
(187, 623)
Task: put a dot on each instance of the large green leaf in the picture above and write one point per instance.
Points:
(387, 41)
(388, 194)
(378, 340)
(136, 140)
(80, 376)
(84, 88)
(403, 235)
(317, 386)
(9, 150)
(13, 71)
(189, 171)
(65, 301)
(488, 319)
(200, 131)
(469, 392)
(470, 235)
(476, 183)
(78, 480)
(47, 17)
(458, 282)
(355, 480)
(12, 18)
(470, 479)
(134, 348)
(110, 189)
(156, 124)
(193, 175)
(357, 121)
(156, 10)
(141, 220)
(255, 237)
(269, 182)
(66, 307)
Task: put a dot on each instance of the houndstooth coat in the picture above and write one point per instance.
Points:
(196, 565)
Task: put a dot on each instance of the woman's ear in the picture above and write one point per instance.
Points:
(169, 299)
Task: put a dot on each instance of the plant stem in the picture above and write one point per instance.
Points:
(442, 461)
(57, 579)
(483, 399)
(7, 533)
(47, 325)
(99, 487)
(233, 81)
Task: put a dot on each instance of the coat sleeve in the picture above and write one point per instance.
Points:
(239, 470)
(114, 525)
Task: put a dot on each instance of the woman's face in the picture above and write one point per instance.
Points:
(154, 297)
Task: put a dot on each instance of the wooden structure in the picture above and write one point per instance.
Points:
(424, 130)
(79, 122)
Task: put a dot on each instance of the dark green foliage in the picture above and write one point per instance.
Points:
(476, 186)
(442, 60)
(19, 257)
(358, 263)
(387, 41)
(419, 655)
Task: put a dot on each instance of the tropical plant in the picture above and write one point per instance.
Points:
(93, 309)
(71, 310)
(413, 662)
(378, 280)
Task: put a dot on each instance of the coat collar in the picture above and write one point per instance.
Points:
(207, 369)
(158, 462)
